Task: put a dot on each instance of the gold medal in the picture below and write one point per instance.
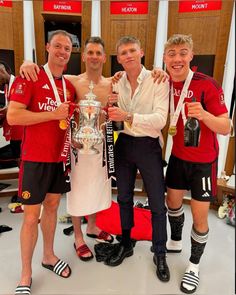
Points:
(172, 130)
(63, 124)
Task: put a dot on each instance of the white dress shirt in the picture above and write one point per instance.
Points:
(149, 105)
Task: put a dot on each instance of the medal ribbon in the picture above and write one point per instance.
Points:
(109, 147)
(65, 151)
(54, 88)
(8, 87)
(183, 114)
(174, 114)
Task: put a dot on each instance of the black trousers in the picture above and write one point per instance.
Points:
(144, 154)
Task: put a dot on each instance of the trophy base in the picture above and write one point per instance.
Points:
(91, 151)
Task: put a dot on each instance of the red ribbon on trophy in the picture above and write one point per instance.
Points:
(65, 151)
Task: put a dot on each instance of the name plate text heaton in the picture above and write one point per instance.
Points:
(129, 7)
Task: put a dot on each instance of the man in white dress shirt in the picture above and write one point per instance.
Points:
(143, 106)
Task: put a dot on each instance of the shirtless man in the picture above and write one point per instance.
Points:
(91, 190)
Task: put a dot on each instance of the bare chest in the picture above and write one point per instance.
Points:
(101, 90)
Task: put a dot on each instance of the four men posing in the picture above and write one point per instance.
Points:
(143, 106)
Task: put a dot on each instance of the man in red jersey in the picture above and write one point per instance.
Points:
(196, 166)
(43, 108)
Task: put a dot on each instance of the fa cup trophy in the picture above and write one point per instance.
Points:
(86, 132)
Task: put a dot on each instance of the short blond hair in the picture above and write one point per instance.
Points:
(178, 39)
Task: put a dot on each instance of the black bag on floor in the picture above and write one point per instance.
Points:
(105, 250)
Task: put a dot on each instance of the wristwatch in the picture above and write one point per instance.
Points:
(129, 118)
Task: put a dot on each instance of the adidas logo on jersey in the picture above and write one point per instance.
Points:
(206, 195)
(46, 86)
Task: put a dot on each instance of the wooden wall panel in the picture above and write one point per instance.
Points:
(222, 40)
(40, 16)
(39, 32)
(122, 17)
(206, 43)
(129, 27)
(210, 31)
(18, 34)
(117, 29)
(86, 25)
(106, 35)
(230, 159)
(6, 40)
(142, 26)
(11, 24)
(151, 34)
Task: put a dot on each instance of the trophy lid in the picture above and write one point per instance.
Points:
(90, 98)
(90, 95)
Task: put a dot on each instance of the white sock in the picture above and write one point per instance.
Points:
(190, 279)
(174, 245)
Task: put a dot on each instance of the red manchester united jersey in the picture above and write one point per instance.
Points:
(207, 91)
(41, 142)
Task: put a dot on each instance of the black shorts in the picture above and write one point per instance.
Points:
(199, 178)
(36, 179)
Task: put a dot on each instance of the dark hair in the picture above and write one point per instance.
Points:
(60, 32)
(6, 66)
(96, 40)
(126, 40)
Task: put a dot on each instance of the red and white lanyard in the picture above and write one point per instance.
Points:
(174, 114)
(54, 88)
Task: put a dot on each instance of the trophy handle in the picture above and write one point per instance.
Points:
(102, 126)
(74, 125)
